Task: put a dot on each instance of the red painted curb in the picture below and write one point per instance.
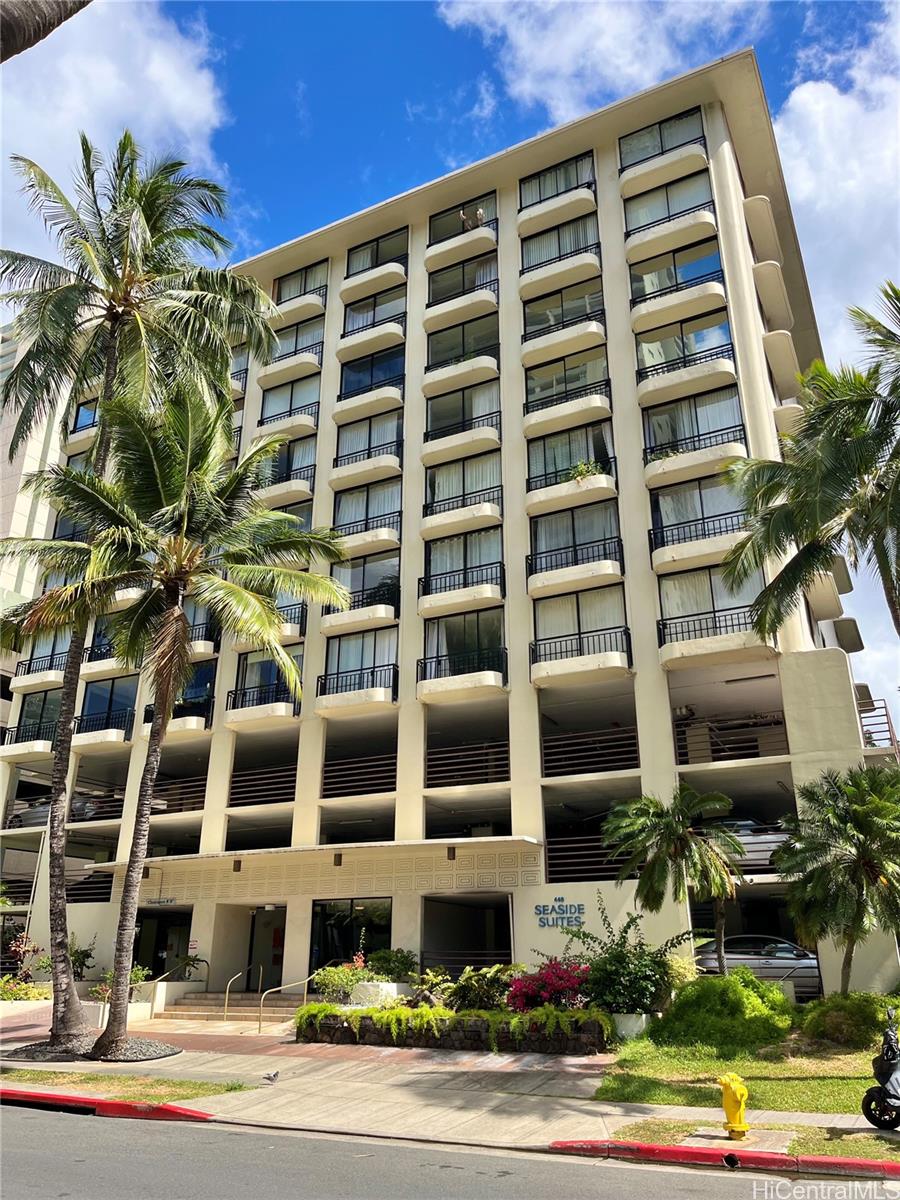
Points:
(101, 1107)
(820, 1164)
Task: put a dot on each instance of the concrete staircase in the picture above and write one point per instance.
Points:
(242, 1006)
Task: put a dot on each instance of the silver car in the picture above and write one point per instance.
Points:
(771, 959)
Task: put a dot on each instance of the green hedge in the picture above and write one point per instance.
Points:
(737, 1011)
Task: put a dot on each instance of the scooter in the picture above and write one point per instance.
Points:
(881, 1105)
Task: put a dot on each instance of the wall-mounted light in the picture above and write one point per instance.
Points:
(236, 866)
(451, 854)
(338, 859)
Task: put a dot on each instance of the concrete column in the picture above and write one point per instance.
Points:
(214, 830)
(406, 921)
(313, 731)
(296, 940)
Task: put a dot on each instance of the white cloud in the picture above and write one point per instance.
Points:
(486, 101)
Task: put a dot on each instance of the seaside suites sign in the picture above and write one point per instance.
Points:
(559, 915)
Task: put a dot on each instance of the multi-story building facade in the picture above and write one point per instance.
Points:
(512, 390)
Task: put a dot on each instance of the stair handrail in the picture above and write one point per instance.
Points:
(154, 983)
(243, 971)
(284, 986)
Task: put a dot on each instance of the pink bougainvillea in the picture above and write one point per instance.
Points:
(554, 982)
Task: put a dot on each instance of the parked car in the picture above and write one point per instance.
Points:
(34, 815)
(771, 959)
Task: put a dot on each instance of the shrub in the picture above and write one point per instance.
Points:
(395, 965)
(856, 1021)
(101, 991)
(81, 958)
(17, 989)
(483, 987)
(682, 971)
(336, 984)
(733, 1012)
(555, 982)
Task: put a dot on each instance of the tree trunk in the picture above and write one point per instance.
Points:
(24, 23)
(888, 586)
(847, 965)
(719, 910)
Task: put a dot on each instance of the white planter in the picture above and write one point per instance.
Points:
(630, 1025)
(368, 995)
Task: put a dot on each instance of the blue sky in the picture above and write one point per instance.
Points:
(310, 111)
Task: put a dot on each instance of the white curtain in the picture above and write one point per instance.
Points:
(386, 429)
(688, 193)
(484, 547)
(384, 498)
(354, 438)
(310, 332)
(603, 608)
(350, 506)
(435, 639)
(276, 400)
(361, 259)
(445, 481)
(669, 423)
(385, 648)
(484, 398)
(486, 270)
(539, 249)
(358, 316)
(596, 522)
(679, 504)
(482, 472)
(553, 532)
(684, 595)
(303, 453)
(575, 235)
(290, 286)
(719, 498)
(643, 210)
(556, 617)
(446, 555)
(316, 275)
(718, 410)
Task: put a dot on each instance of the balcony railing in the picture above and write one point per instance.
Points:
(605, 550)
(345, 460)
(295, 347)
(877, 726)
(699, 140)
(491, 495)
(695, 531)
(590, 752)
(104, 804)
(74, 533)
(362, 680)
(202, 707)
(491, 223)
(321, 292)
(538, 403)
(359, 776)
(32, 731)
(715, 739)
(706, 624)
(566, 323)
(205, 631)
(240, 378)
(395, 381)
(726, 350)
(293, 614)
(577, 645)
(568, 474)
(454, 962)
(302, 410)
(492, 351)
(46, 662)
(382, 593)
(590, 184)
(89, 887)
(591, 248)
(474, 576)
(486, 285)
(98, 652)
(178, 795)
(17, 888)
(386, 520)
(79, 426)
(697, 441)
(465, 766)
(118, 718)
(402, 259)
(445, 666)
(759, 846)
(581, 859)
(706, 206)
(483, 421)
(307, 473)
(397, 319)
(253, 697)
(263, 785)
(682, 285)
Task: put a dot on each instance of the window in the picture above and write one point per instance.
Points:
(85, 416)
(197, 617)
(108, 704)
(260, 675)
(196, 696)
(464, 642)
(384, 369)
(462, 278)
(362, 439)
(580, 623)
(375, 506)
(681, 344)
(671, 272)
(573, 237)
(466, 481)
(671, 200)
(695, 423)
(371, 580)
(698, 509)
(700, 604)
(67, 531)
(375, 310)
(462, 218)
(465, 560)
(551, 458)
(461, 342)
(363, 656)
(564, 177)
(469, 408)
(391, 247)
(300, 283)
(48, 651)
(240, 358)
(656, 139)
(296, 460)
(78, 462)
(101, 647)
(39, 709)
(566, 379)
(302, 512)
(288, 399)
(577, 535)
(546, 314)
(305, 336)
(338, 927)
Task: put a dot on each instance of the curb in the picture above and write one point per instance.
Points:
(98, 1107)
(733, 1160)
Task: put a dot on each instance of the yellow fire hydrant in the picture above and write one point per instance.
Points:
(734, 1100)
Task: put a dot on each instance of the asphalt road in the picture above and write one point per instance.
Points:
(57, 1156)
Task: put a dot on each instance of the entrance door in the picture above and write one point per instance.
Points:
(339, 926)
(266, 948)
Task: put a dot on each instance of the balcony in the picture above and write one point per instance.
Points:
(700, 543)
(39, 674)
(679, 302)
(370, 608)
(476, 435)
(178, 796)
(763, 229)
(28, 741)
(782, 358)
(671, 232)
(773, 296)
(293, 627)
(204, 639)
(96, 804)
(465, 590)
(270, 706)
(702, 370)
(589, 752)
(467, 766)
(457, 678)
(470, 243)
(566, 409)
(102, 733)
(18, 889)
(572, 568)
(710, 639)
(302, 308)
(878, 734)
(357, 693)
(585, 859)
(89, 887)
(369, 339)
(190, 719)
(369, 401)
(465, 305)
(476, 366)
(570, 336)
(299, 421)
(238, 383)
(788, 415)
(380, 278)
(263, 785)
(575, 266)
(557, 489)
(460, 514)
(581, 658)
(695, 456)
(289, 487)
(359, 776)
(722, 739)
(370, 535)
(293, 363)
(82, 437)
(124, 598)
(367, 466)
(566, 205)
(658, 169)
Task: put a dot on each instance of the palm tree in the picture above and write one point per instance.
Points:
(837, 489)
(174, 518)
(126, 303)
(842, 857)
(24, 23)
(669, 849)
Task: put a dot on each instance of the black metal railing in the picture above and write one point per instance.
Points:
(718, 739)
(178, 795)
(760, 844)
(699, 140)
(302, 410)
(27, 812)
(695, 531)
(118, 718)
(293, 614)
(202, 707)
(590, 752)
(395, 381)
(98, 652)
(321, 292)
(696, 441)
(472, 576)
(81, 426)
(578, 645)
(454, 962)
(381, 593)
(601, 388)
(263, 785)
(582, 859)
(707, 624)
(570, 474)
(491, 495)
(313, 348)
(487, 285)
(491, 223)
(17, 889)
(877, 726)
(402, 259)
(706, 206)
(589, 184)
(267, 693)
(605, 550)
(32, 731)
(74, 533)
(96, 804)
(726, 350)
(240, 378)
(444, 666)
(464, 766)
(346, 460)
(307, 474)
(483, 421)
(359, 776)
(361, 680)
(397, 319)
(45, 662)
(89, 887)
(591, 248)
(717, 276)
(566, 323)
(205, 631)
(388, 520)
(492, 351)
(236, 438)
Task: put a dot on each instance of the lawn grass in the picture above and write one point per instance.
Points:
(146, 1089)
(832, 1143)
(824, 1082)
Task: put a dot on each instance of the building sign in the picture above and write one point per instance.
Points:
(559, 915)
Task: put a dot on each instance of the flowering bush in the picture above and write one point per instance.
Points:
(556, 982)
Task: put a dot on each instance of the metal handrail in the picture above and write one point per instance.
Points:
(154, 983)
(284, 986)
(243, 971)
